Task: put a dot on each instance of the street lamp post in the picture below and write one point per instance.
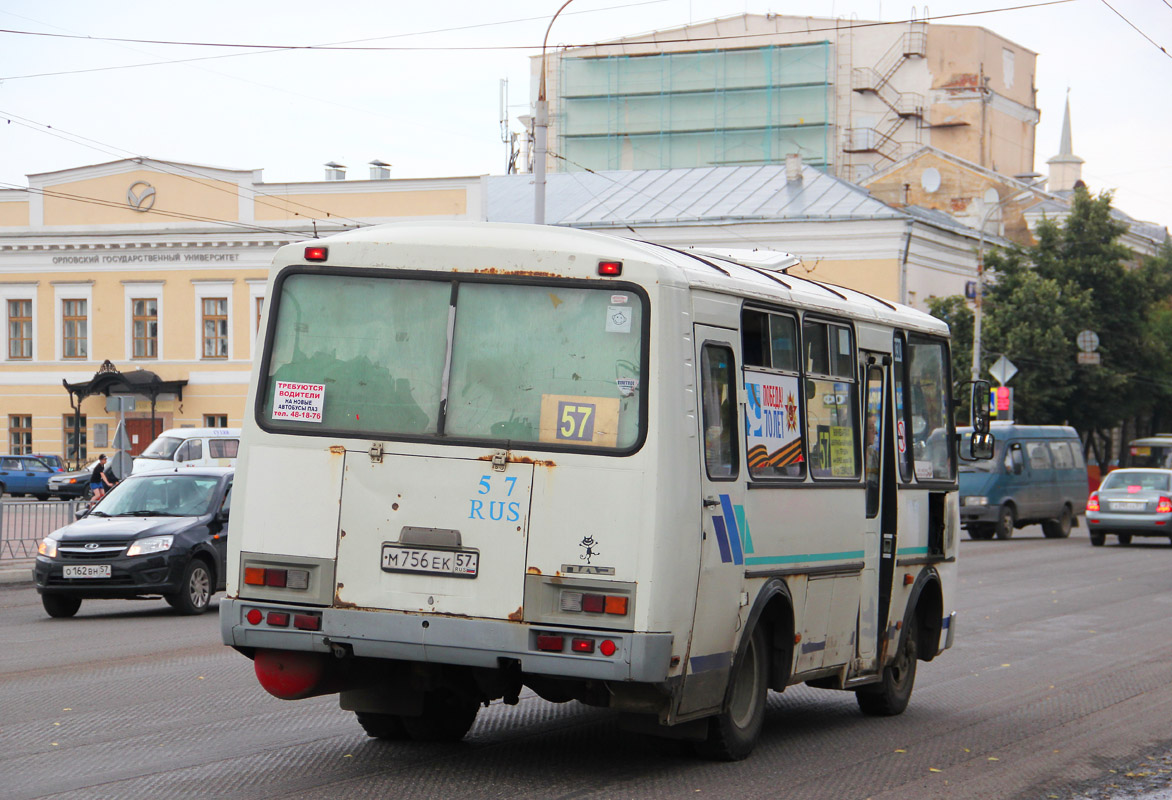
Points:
(540, 126)
(976, 370)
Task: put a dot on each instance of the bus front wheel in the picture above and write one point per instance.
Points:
(891, 694)
(733, 733)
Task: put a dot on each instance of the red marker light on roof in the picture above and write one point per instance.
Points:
(316, 253)
(610, 268)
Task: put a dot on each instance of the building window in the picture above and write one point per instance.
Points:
(215, 327)
(74, 329)
(75, 445)
(215, 420)
(20, 434)
(20, 329)
(145, 324)
(260, 310)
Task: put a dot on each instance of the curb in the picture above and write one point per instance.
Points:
(18, 571)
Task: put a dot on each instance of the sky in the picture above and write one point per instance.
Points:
(431, 107)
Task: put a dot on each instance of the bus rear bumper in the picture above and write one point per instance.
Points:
(638, 657)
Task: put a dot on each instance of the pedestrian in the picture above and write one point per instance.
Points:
(99, 480)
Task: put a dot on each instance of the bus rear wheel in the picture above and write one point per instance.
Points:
(891, 695)
(446, 717)
(381, 726)
(733, 733)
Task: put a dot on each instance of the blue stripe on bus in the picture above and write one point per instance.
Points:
(913, 551)
(721, 539)
(714, 661)
(841, 556)
(734, 537)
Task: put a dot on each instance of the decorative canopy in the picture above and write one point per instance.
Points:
(108, 380)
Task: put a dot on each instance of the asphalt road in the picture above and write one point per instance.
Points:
(1062, 672)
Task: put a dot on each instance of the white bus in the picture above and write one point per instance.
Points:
(482, 457)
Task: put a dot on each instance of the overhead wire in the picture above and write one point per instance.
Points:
(162, 166)
(454, 48)
(174, 214)
(341, 45)
(1134, 27)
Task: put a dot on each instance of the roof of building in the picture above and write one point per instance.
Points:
(1060, 207)
(695, 195)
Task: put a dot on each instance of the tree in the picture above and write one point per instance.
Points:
(1077, 277)
(956, 312)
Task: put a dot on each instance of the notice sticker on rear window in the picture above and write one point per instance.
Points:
(298, 401)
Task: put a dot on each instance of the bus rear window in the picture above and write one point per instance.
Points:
(387, 357)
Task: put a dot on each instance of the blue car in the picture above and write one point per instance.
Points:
(21, 475)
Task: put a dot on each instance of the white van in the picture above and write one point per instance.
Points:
(189, 447)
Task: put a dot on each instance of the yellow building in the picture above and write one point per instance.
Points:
(160, 267)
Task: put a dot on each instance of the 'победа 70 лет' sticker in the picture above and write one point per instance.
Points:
(298, 401)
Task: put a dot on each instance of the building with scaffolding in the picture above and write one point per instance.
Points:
(850, 97)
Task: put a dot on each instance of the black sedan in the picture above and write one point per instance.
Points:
(157, 534)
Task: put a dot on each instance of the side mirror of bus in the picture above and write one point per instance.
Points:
(980, 407)
(981, 446)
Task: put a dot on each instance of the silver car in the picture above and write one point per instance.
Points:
(1131, 502)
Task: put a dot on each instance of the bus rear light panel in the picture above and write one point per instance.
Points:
(593, 603)
(584, 645)
(277, 578)
(308, 621)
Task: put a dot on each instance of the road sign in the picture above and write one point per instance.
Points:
(1088, 342)
(1003, 370)
(119, 402)
(1090, 358)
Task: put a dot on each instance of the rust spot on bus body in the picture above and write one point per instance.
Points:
(533, 571)
(517, 615)
(337, 449)
(521, 460)
(535, 462)
(339, 602)
(527, 272)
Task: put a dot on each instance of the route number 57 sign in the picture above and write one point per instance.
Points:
(579, 420)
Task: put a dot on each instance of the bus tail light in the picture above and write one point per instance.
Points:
(550, 643)
(1093, 502)
(610, 268)
(1164, 506)
(582, 645)
(277, 578)
(607, 648)
(594, 603)
(307, 622)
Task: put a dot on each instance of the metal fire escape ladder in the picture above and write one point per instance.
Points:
(901, 105)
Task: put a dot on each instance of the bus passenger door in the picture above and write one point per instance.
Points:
(721, 577)
(880, 527)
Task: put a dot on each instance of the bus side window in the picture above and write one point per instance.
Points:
(719, 409)
(830, 400)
